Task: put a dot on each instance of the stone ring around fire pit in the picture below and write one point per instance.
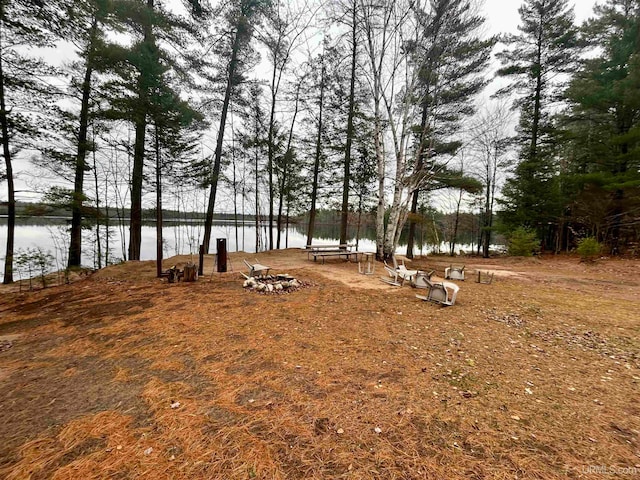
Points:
(272, 283)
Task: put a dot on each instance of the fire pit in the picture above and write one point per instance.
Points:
(283, 283)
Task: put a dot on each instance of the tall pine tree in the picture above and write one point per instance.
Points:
(603, 128)
(451, 56)
(23, 25)
(85, 27)
(535, 57)
(240, 19)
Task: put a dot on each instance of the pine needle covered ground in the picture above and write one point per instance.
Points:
(122, 375)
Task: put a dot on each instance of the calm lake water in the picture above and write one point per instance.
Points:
(51, 235)
(178, 239)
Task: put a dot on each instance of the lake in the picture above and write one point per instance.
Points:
(51, 235)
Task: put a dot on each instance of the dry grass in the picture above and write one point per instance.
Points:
(534, 376)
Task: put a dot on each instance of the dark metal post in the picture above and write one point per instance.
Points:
(222, 254)
(201, 261)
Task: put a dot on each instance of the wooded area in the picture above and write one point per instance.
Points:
(351, 105)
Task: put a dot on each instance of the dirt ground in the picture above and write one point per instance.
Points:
(121, 375)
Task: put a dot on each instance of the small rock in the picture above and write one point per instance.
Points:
(148, 451)
(377, 430)
(469, 394)
(175, 405)
(340, 431)
(515, 417)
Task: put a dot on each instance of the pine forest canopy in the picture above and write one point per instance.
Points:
(272, 109)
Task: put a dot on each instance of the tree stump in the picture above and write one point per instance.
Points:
(190, 273)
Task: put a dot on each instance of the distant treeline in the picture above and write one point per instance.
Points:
(40, 209)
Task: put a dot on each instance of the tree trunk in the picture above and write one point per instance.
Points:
(257, 182)
(397, 212)
(286, 237)
(380, 163)
(270, 155)
(208, 223)
(96, 184)
(412, 224)
(359, 222)
(316, 165)
(107, 224)
(455, 226)
(158, 206)
(281, 194)
(236, 223)
(75, 242)
(419, 165)
(235, 186)
(11, 198)
(537, 101)
(285, 169)
(135, 222)
(344, 222)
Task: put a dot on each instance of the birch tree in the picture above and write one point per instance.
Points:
(425, 66)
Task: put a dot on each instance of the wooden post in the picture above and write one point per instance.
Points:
(222, 254)
(201, 261)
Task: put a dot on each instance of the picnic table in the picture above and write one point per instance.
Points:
(335, 250)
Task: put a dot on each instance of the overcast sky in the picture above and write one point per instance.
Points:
(503, 15)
